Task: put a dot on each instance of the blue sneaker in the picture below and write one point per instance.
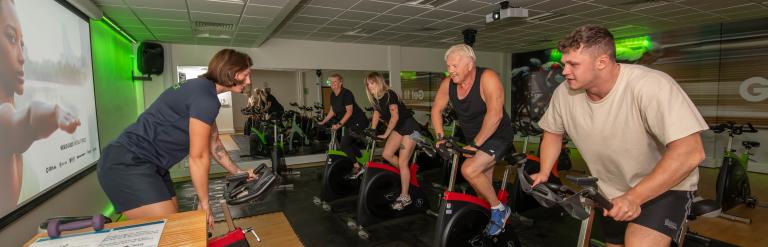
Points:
(498, 220)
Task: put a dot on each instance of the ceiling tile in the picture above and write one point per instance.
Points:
(309, 20)
(109, 2)
(117, 11)
(390, 19)
(609, 3)
(407, 10)
(346, 38)
(599, 12)
(255, 21)
(217, 18)
(445, 25)
(276, 3)
(160, 13)
(262, 11)
(176, 5)
(215, 7)
(171, 31)
(374, 26)
(463, 6)
(251, 29)
(343, 23)
(334, 29)
(373, 7)
(438, 14)
(550, 6)
(418, 22)
(403, 29)
(577, 9)
(294, 33)
(468, 18)
(357, 15)
(484, 10)
(241, 35)
(339, 4)
(320, 11)
(166, 23)
(300, 27)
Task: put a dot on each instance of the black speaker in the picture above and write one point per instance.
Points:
(469, 36)
(150, 58)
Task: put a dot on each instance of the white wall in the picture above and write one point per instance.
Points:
(82, 196)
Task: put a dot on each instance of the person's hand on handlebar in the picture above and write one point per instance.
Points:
(469, 148)
(625, 208)
(383, 136)
(440, 141)
(336, 126)
(538, 178)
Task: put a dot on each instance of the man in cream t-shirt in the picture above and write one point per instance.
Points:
(638, 133)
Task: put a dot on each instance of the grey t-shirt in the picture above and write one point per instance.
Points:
(624, 135)
(161, 134)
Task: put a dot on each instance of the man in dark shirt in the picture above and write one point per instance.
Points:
(347, 114)
(274, 107)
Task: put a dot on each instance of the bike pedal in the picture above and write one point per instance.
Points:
(251, 231)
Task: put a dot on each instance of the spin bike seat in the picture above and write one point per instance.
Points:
(750, 144)
(704, 208)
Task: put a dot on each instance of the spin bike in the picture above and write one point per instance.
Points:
(579, 204)
(732, 186)
(380, 187)
(462, 217)
(335, 185)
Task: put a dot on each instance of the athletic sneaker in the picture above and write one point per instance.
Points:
(356, 172)
(498, 220)
(401, 202)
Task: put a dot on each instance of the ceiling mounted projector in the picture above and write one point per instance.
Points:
(506, 12)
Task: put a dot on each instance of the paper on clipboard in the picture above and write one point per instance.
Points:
(140, 235)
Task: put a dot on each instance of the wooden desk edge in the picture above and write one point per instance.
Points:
(190, 227)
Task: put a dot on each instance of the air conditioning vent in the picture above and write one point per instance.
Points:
(428, 3)
(213, 26)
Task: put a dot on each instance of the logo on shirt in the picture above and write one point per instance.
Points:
(670, 224)
(754, 89)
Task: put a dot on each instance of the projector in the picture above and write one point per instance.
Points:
(506, 13)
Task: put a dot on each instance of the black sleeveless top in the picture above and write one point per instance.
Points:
(382, 106)
(470, 111)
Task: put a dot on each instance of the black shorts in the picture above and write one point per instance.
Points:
(496, 147)
(407, 126)
(130, 181)
(664, 214)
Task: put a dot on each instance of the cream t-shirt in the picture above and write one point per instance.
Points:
(624, 135)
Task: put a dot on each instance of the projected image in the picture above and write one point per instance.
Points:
(48, 126)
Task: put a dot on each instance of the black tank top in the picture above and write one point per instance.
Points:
(470, 111)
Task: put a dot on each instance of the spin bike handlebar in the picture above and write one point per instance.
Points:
(550, 194)
(733, 129)
(368, 133)
(450, 145)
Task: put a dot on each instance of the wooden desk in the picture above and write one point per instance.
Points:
(181, 229)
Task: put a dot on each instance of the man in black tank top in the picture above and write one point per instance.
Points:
(477, 96)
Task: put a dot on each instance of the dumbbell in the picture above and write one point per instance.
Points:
(56, 227)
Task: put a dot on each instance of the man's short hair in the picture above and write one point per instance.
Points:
(337, 76)
(461, 49)
(596, 38)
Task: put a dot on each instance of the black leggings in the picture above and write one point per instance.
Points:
(349, 144)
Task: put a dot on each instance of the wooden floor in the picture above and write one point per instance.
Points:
(228, 143)
(273, 229)
(755, 234)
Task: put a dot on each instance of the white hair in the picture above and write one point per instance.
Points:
(461, 49)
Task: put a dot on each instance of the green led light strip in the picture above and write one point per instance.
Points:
(118, 29)
(627, 49)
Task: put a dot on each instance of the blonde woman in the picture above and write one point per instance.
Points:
(401, 133)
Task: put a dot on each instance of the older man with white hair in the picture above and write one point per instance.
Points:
(477, 96)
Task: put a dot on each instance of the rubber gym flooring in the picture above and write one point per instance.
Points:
(317, 227)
